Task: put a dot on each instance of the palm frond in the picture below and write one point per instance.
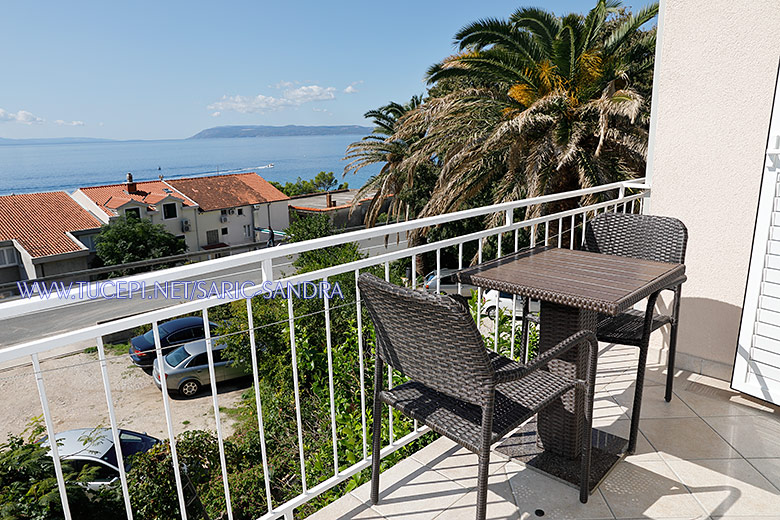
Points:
(623, 32)
(544, 25)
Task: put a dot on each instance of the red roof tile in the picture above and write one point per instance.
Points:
(39, 221)
(113, 196)
(228, 191)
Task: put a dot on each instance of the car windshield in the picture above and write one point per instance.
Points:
(177, 357)
(149, 336)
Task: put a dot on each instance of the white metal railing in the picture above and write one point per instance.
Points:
(574, 218)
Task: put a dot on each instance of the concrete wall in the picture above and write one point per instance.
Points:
(280, 217)
(211, 220)
(172, 225)
(714, 87)
(9, 273)
(57, 264)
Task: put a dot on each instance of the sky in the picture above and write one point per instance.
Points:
(168, 69)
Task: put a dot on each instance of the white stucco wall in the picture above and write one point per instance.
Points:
(172, 225)
(715, 82)
(280, 215)
(210, 220)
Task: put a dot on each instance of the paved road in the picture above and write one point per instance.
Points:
(87, 313)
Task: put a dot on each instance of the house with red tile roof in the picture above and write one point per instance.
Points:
(235, 208)
(207, 212)
(153, 200)
(43, 234)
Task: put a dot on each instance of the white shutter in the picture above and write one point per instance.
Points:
(757, 364)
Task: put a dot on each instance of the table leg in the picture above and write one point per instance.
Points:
(559, 424)
(551, 443)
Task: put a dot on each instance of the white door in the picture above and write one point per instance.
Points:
(757, 364)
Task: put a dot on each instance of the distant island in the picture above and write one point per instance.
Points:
(53, 140)
(277, 131)
(218, 132)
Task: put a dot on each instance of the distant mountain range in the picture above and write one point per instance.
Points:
(219, 132)
(277, 131)
(53, 140)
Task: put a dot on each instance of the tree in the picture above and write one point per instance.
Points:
(28, 485)
(323, 181)
(382, 146)
(551, 106)
(130, 240)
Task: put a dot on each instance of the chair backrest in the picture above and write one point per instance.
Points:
(430, 338)
(649, 237)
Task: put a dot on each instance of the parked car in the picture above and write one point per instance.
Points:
(187, 369)
(172, 334)
(95, 447)
(505, 304)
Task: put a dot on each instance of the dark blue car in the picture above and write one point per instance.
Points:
(172, 334)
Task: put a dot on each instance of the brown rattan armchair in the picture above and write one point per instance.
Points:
(456, 386)
(650, 237)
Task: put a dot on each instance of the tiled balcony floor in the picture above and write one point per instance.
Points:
(710, 453)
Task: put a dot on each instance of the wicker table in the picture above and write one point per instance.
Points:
(573, 287)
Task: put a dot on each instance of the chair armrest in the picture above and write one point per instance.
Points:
(518, 370)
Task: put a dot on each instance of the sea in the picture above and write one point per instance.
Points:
(26, 168)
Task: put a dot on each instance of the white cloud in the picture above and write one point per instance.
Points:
(22, 116)
(60, 122)
(351, 87)
(291, 97)
(309, 93)
(216, 114)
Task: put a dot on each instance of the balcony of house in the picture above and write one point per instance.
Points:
(269, 413)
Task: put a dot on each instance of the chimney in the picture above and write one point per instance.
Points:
(328, 200)
(130, 185)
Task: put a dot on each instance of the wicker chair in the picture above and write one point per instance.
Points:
(456, 386)
(649, 237)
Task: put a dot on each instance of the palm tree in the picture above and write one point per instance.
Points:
(382, 147)
(551, 104)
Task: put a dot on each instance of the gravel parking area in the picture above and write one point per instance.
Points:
(74, 388)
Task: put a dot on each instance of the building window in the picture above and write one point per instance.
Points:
(133, 213)
(212, 236)
(223, 212)
(169, 210)
(247, 230)
(240, 211)
(88, 241)
(7, 256)
(224, 231)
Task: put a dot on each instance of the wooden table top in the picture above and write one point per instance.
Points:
(603, 283)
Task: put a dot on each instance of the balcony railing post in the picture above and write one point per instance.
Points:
(217, 418)
(258, 402)
(169, 421)
(267, 267)
(361, 361)
(55, 455)
(296, 389)
(331, 386)
(114, 429)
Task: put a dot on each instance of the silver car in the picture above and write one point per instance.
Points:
(95, 447)
(187, 368)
